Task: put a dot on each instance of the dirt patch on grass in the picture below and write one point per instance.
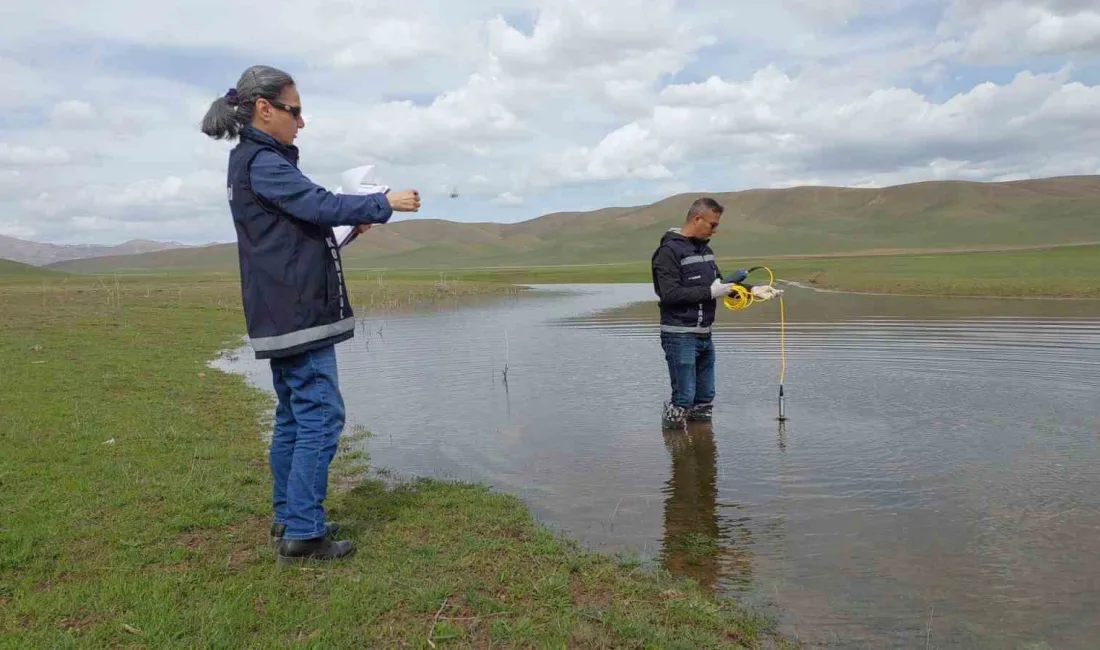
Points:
(238, 540)
(47, 585)
(585, 596)
(80, 622)
(192, 540)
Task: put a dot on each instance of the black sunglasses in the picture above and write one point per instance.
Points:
(295, 111)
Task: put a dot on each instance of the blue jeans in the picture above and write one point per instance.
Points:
(690, 360)
(308, 421)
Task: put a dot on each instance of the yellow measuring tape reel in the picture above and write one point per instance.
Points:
(741, 298)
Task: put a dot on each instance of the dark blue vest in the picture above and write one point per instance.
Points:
(697, 268)
(292, 284)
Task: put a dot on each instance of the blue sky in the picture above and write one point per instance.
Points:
(530, 107)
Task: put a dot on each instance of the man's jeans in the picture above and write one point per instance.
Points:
(308, 423)
(690, 360)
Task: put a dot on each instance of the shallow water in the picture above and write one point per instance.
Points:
(937, 482)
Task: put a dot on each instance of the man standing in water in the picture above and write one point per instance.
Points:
(688, 285)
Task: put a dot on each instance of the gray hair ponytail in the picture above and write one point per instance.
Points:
(229, 114)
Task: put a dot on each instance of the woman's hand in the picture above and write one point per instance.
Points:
(404, 201)
(362, 228)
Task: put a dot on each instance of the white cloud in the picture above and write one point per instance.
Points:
(11, 229)
(1004, 30)
(394, 41)
(611, 53)
(534, 104)
(72, 112)
(803, 129)
(828, 11)
(24, 155)
(323, 32)
(577, 34)
(627, 152)
(139, 200)
(464, 122)
(10, 178)
(28, 85)
(507, 199)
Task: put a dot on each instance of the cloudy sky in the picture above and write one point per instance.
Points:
(533, 106)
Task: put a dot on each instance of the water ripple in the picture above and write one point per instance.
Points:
(938, 454)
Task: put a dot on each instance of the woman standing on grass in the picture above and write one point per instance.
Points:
(295, 300)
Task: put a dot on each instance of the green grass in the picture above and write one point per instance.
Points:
(10, 270)
(759, 223)
(136, 504)
(1069, 271)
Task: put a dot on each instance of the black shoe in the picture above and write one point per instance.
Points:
(278, 530)
(674, 417)
(291, 551)
(700, 413)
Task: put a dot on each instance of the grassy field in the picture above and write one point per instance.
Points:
(135, 505)
(13, 271)
(1068, 271)
(757, 222)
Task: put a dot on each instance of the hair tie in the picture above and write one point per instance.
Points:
(232, 98)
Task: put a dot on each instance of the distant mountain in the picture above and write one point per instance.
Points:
(808, 220)
(38, 254)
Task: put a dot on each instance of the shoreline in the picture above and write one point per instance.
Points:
(146, 505)
(950, 296)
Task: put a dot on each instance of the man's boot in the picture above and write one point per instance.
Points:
(674, 417)
(290, 551)
(700, 413)
(278, 530)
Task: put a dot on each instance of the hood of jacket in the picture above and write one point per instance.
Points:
(676, 233)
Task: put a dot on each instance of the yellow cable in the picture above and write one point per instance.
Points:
(782, 343)
(740, 298)
(743, 297)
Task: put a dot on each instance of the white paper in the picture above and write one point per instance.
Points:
(357, 180)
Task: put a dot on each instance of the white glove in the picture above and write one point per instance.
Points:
(718, 289)
(765, 292)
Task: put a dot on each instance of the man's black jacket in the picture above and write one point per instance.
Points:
(683, 269)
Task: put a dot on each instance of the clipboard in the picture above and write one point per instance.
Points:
(358, 180)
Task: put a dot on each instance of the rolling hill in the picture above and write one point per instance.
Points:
(810, 220)
(39, 254)
(17, 270)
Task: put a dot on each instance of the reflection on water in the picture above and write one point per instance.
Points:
(690, 541)
(938, 480)
(697, 541)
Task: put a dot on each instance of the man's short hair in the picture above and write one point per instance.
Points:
(704, 204)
